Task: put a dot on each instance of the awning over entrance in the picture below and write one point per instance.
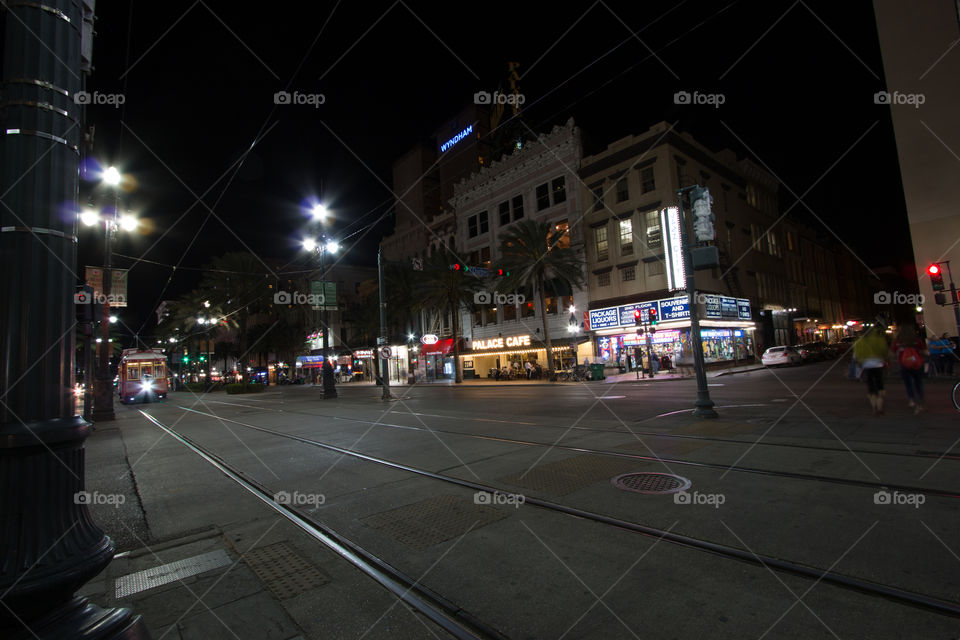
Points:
(309, 361)
(439, 348)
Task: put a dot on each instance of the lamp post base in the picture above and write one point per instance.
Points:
(103, 401)
(79, 616)
(704, 408)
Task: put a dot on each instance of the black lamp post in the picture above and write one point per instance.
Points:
(49, 544)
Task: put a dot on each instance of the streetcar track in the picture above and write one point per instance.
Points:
(941, 493)
(860, 585)
(654, 434)
(452, 618)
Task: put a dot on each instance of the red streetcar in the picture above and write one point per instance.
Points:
(143, 375)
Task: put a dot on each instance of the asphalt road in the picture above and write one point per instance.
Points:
(795, 469)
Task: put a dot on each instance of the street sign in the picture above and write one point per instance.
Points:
(118, 285)
(324, 293)
(418, 264)
(381, 340)
(385, 352)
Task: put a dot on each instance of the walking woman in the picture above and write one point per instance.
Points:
(911, 353)
(871, 353)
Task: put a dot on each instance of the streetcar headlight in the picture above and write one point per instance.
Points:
(146, 386)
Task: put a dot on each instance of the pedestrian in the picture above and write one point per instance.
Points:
(529, 367)
(949, 354)
(941, 354)
(871, 353)
(911, 353)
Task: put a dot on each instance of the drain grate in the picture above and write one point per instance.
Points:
(165, 574)
(284, 572)
(651, 483)
(434, 520)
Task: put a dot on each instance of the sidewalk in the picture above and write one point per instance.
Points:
(673, 374)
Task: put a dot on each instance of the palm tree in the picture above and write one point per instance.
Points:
(448, 290)
(531, 253)
(238, 283)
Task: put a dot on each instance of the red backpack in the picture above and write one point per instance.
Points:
(911, 359)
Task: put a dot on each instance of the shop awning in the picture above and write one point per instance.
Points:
(439, 348)
(309, 361)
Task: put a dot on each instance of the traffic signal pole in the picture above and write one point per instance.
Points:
(703, 405)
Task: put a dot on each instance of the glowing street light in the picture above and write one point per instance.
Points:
(89, 218)
(128, 222)
(113, 319)
(309, 244)
(332, 246)
(111, 176)
(319, 212)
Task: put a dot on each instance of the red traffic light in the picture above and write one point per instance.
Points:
(636, 313)
(933, 269)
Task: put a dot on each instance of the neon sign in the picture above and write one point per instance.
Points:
(457, 138)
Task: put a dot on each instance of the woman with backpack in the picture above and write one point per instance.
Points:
(911, 354)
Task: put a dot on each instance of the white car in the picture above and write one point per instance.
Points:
(778, 356)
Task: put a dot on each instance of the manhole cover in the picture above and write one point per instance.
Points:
(651, 483)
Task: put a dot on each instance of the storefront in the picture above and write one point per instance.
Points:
(434, 360)
(726, 331)
(506, 358)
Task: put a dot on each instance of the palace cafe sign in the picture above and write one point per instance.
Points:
(500, 343)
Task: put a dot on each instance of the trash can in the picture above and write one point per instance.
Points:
(596, 372)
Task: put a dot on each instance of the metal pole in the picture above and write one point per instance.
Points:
(704, 405)
(384, 363)
(103, 403)
(50, 544)
(329, 382)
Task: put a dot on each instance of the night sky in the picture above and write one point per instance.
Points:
(798, 80)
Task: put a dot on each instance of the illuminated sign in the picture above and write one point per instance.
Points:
(429, 338)
(673, 248)
(500, 343)
(363, 353)
(674, 309)
(605, 318)
(457, 138)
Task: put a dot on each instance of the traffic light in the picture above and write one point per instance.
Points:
(936, 276)
(502, 272)
(459, 267)
(653, 316)
(637, 317)
(186, 358)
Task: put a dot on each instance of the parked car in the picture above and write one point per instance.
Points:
(845, 343)
(780, 356)
(816, 351)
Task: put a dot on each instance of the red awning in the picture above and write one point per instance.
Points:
(440, 348)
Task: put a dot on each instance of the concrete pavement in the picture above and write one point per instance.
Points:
(526, 571)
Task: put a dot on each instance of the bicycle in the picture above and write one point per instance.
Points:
(956, 396)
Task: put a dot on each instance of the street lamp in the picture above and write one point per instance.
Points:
(112, 221)
(322, 247)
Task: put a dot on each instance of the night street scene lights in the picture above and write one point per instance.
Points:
(322, 246)
(112, 222)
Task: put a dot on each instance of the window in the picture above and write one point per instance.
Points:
(626, 237)
(485, 257)
(603, 250)
(504, 213)
(517, 207)
(551, 305)
(654, 233)
(598, 198)
(772, 244)
(509, 312)
(755, 237)
(603, 279)
(562, 227)
(655, 268)
(477, 224)
(543, 197)
(647, 182)
(623, 194)
(133, 373)
(789, 240)
(527, 310)
(559, 190)
(628, 274)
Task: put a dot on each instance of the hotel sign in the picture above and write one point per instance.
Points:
(455, 139)
(500, 343)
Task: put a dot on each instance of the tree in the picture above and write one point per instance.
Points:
(448, 290)
(533, 255)
(238, 284)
